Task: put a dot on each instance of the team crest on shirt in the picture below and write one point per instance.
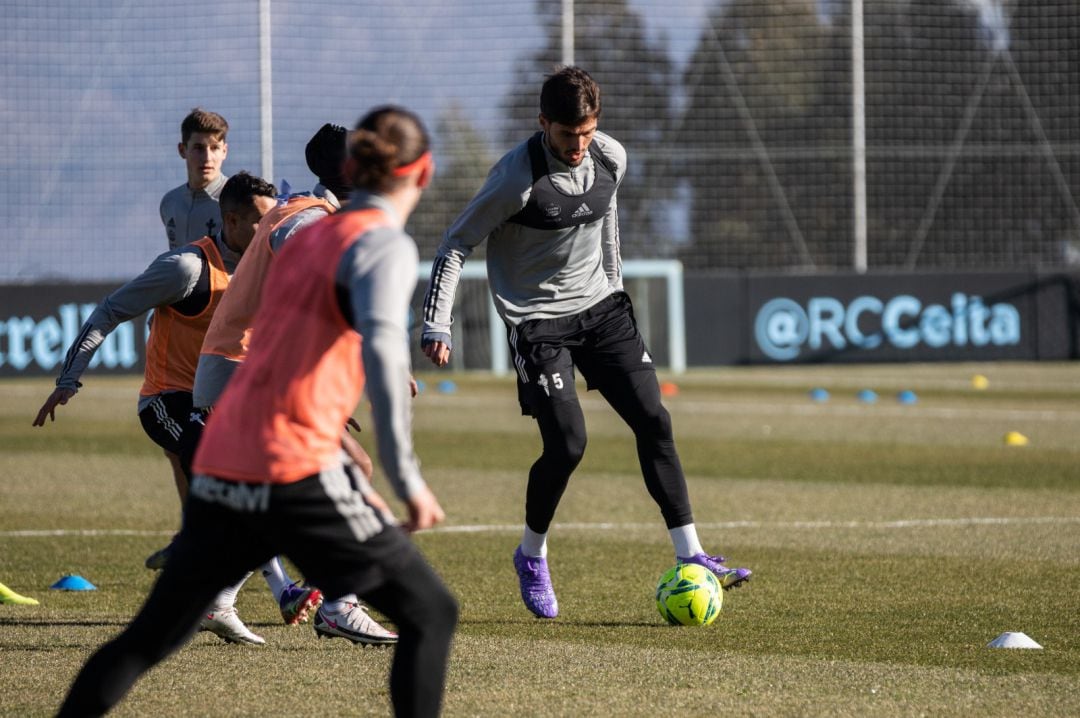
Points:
(552, 210)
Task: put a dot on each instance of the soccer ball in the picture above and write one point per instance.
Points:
(689, 595)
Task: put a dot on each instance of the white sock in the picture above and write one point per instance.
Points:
(534, 544)
(277, 578)
(685, 540)
(340, 605)
(227, 597)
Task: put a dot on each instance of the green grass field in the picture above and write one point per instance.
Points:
(890, 543)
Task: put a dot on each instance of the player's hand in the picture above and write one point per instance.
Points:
(424, 511)
(375, 500)
(60, 395)
(438, 353)
(414, 388)
(357, 453)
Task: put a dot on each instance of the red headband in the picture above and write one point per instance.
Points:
(406, 169)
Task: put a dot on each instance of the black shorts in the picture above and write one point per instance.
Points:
(322, 523)
(602, 341)
(167, 421)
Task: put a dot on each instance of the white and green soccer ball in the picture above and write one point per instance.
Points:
(689, 595)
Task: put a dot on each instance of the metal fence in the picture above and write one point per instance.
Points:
(778, 134)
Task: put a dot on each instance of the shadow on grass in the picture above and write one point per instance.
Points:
(556, 622)
(49, 622)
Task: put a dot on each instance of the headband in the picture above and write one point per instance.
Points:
(406, 169)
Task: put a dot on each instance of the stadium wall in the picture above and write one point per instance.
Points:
(753, 318)
(732, 318)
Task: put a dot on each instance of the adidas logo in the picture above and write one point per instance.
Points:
(646, 359)
(582, 211)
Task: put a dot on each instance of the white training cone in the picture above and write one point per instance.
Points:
(1011, 639)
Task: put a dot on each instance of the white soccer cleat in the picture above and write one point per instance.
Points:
(227, 624)
(354, 624)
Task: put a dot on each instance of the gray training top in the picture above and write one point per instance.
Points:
(378, 274)
(214, 370)
(533, 273)
(172, 277)
(190, 214)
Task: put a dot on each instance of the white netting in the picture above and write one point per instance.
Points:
(737, 115)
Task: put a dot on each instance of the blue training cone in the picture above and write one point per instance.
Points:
(73, 583)
(907, 397)
(446, 386)
(867, 396)
(819, 395)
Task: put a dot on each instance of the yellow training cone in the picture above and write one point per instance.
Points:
(979, 382)
(1015, 438)
(9, 596)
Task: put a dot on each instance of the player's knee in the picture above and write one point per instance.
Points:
(565, 443)
(655, 424)
(569, 449)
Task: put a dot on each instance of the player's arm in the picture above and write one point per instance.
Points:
(504, 193)
(380, 277)
(294, 224)
(169, 278)
(609, 242)
(161, 213)
(609, 233)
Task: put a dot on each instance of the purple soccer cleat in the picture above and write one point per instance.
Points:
(297, 603)
(729, 577)
(536, 590)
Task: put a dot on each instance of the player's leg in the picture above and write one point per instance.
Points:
(168, 421)
(546, 391)
(180, 477)
(343, 544)
(617, 363)
(195, 573)
(426, 613)
(345, 615)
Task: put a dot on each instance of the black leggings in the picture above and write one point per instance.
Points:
(317, 529)
(635, 396)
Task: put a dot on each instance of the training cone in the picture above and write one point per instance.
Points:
(979, 382)
(73, 583)
(669, 388)
(10, 597)
(867, 396)
(907, 397)
(1013, 639)
(1015, 438)
(447, 387)
(819, 395)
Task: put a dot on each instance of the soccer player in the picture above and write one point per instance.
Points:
(190, 211)
(226, 346)
(184, 287)
(268, 475)
(548, 211)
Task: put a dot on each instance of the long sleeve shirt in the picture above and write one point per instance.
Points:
(191, 214)
(173, 277)
(378, 274)
(214, 371)
(533, 273)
